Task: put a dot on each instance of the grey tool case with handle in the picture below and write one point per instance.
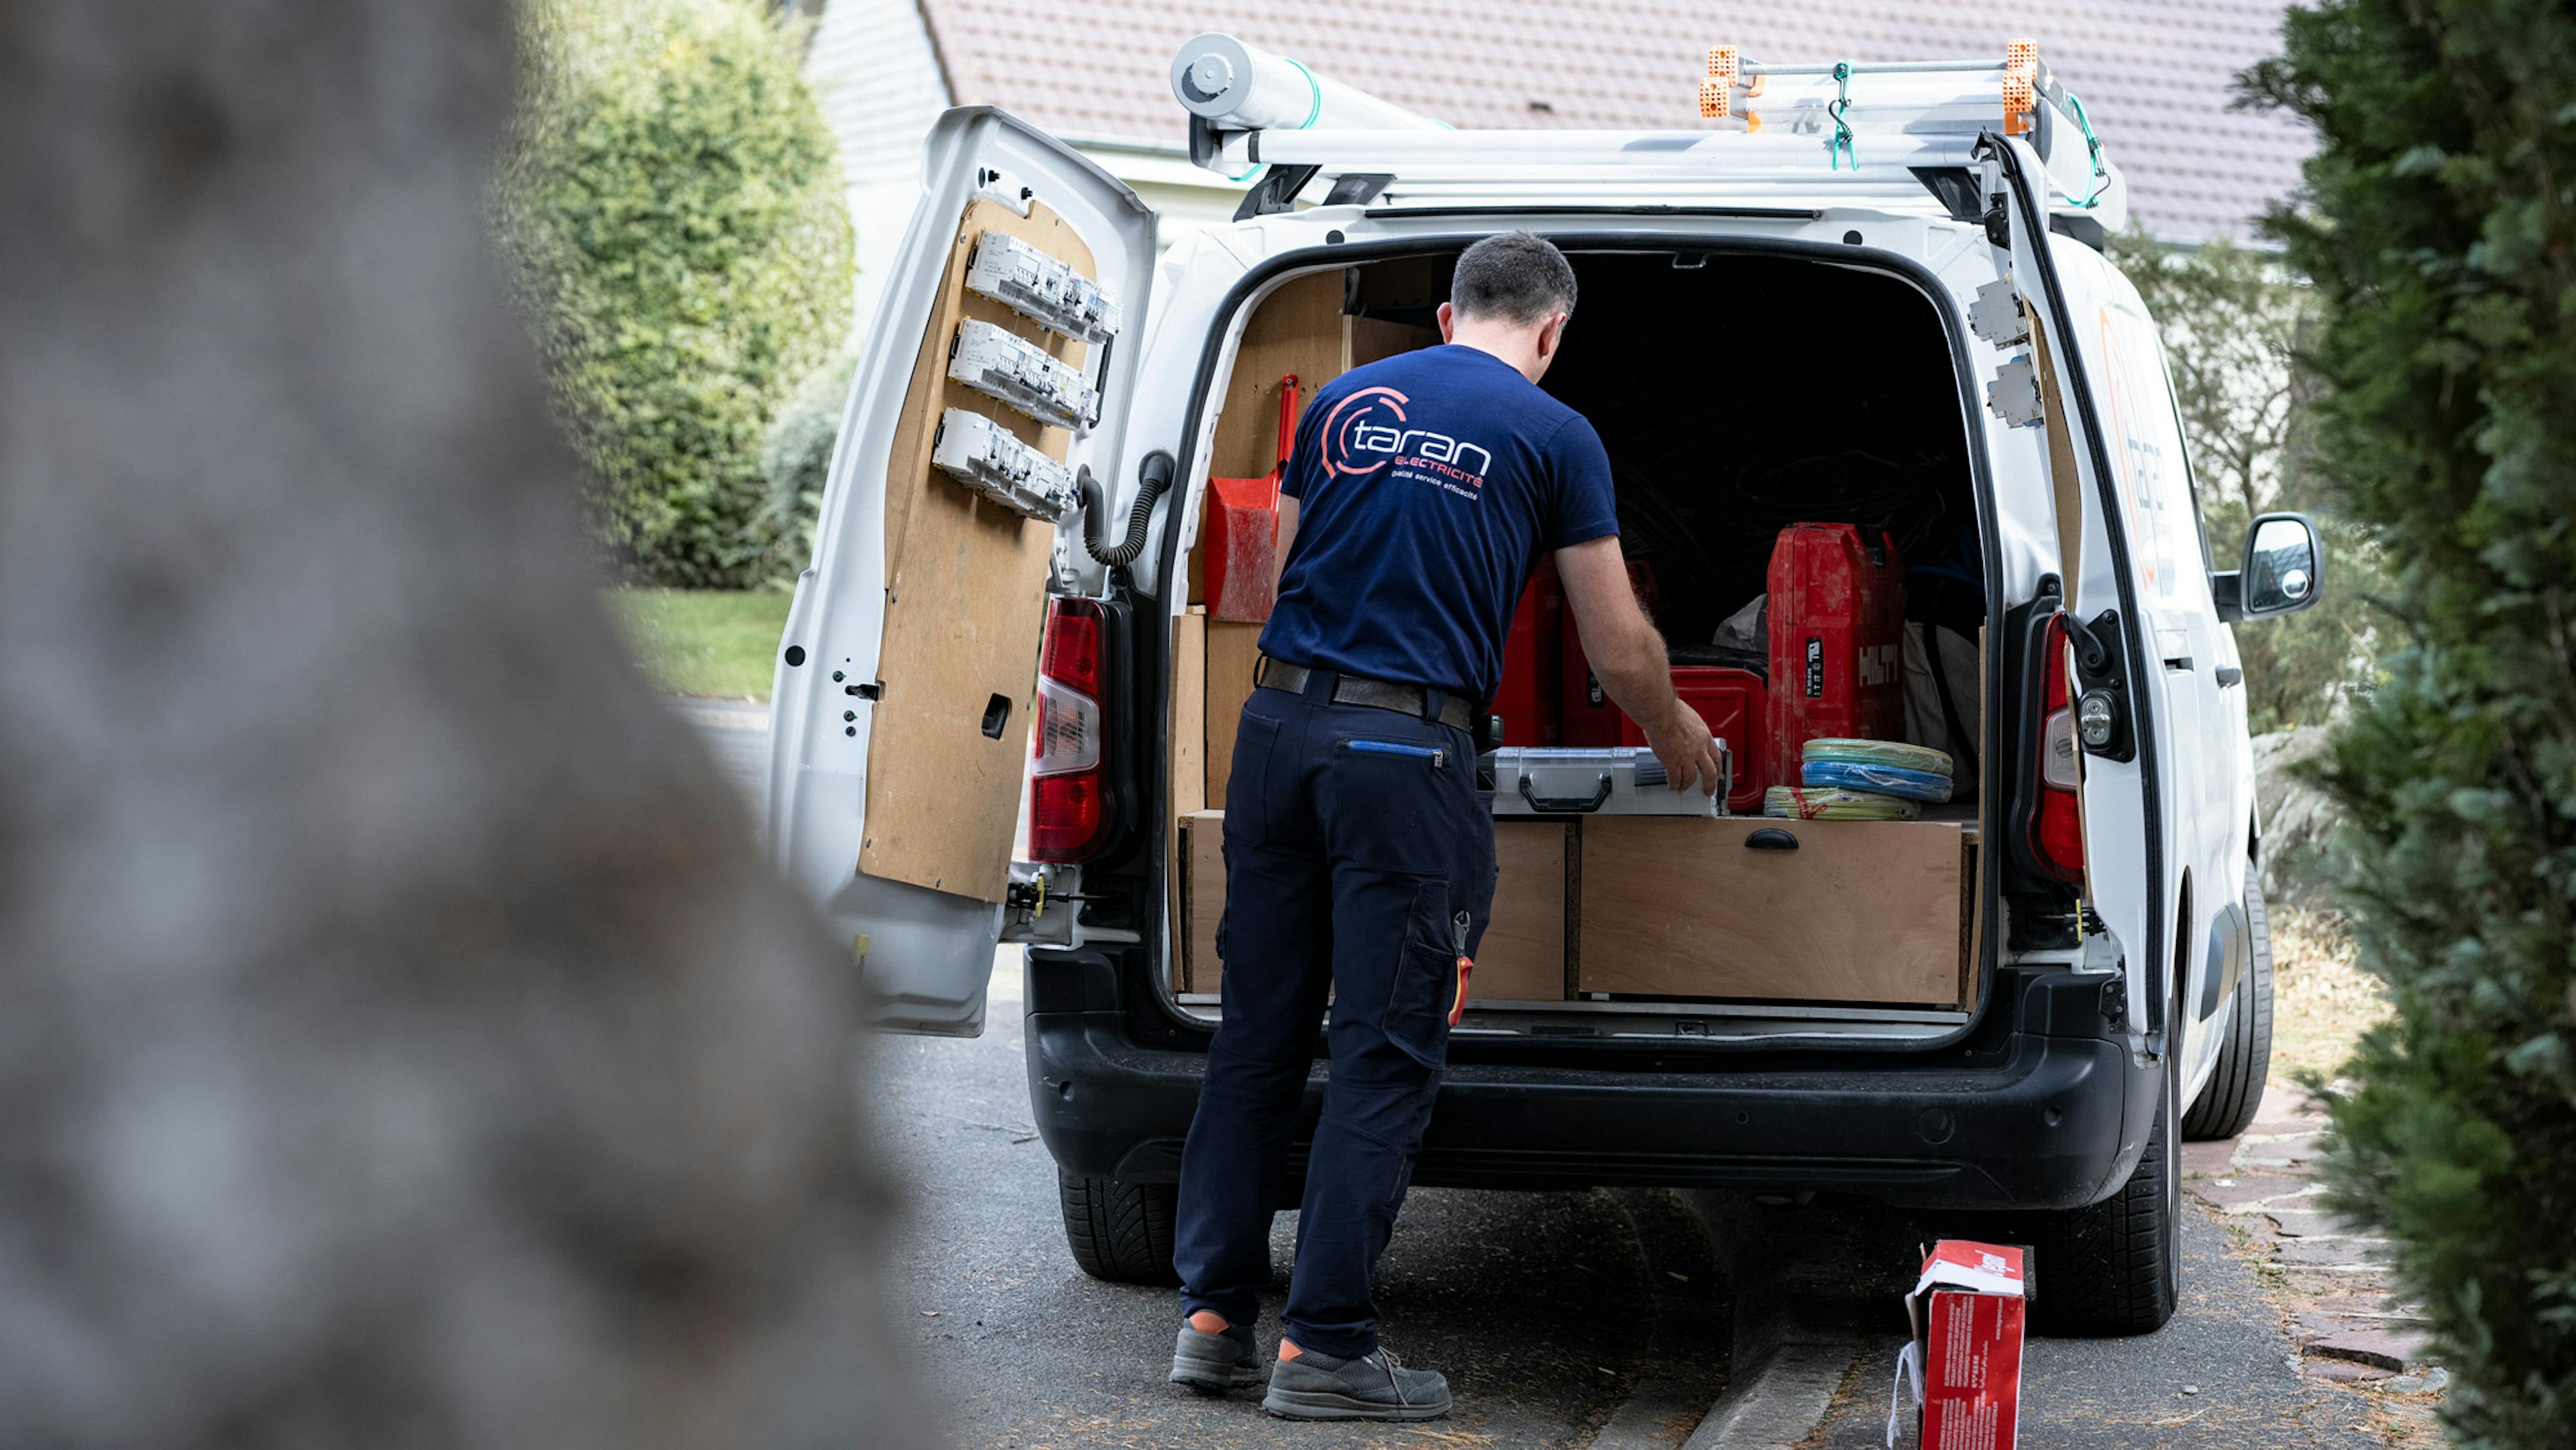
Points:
(1625, 780)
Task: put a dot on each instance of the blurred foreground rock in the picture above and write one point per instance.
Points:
(404, 1046)
(2297, 820)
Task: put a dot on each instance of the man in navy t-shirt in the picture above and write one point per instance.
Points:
(1358, 861)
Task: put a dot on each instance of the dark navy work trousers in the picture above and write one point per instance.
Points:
(1357, 860)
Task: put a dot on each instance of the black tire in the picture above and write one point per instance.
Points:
(1121, 1232)
(2235, 1088)
(2115, 1267)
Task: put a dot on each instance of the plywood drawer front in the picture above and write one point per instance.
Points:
(1860, 912)
(1522, 958)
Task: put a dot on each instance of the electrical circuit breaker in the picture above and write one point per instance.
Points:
(995, 361)
(1042, 288)
(983, 455)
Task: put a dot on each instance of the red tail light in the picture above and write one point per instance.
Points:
(1068, 815)
(2056, 828)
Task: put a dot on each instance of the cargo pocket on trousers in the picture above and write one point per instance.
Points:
(1426, 978)
(1247, 785)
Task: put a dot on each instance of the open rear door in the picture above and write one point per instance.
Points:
(2080, 328)
(998, 365)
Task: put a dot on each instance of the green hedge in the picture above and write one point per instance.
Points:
(675, 220)
(2441, 236)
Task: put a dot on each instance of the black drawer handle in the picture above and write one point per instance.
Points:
(1566, 805)
(1771, 838)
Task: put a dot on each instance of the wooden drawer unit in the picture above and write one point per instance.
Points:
(1522, 958)
(1843, 912)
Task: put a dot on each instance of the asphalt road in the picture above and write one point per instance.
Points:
(1548, 1311)
(1545, 1309)
(1562, 1319)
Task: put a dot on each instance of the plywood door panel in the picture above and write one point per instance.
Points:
(1297, 330)
(1860, 912)
(965, 601)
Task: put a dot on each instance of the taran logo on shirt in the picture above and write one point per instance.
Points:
(1366, 431)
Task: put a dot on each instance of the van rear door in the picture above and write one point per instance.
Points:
(2131, 871)
(996, 368)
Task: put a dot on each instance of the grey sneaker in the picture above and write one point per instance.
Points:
(1214, 1363)
(1372, 1387)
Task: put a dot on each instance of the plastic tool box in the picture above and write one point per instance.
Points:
(1731, 701)
(1239, 555)
(1583, 781)
(1837, 642)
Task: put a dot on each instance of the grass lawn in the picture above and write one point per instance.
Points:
(2321, 1001)
(711, 642)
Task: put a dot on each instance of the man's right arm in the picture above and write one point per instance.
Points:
(1627, 655)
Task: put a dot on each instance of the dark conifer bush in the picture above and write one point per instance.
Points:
(2439, 225)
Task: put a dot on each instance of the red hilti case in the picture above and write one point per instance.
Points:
(1731, 701)
(1837, 642)
(1585, 715)
(1239, 540)
(1527, 696)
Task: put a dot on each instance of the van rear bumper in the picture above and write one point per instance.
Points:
(2050, 1122)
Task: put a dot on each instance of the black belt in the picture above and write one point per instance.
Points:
(1272, 674)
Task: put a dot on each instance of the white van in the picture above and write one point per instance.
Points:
(1916, 324)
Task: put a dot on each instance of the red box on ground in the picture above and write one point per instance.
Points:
(1730, 700)
(1964, 1363)
(1837, 642)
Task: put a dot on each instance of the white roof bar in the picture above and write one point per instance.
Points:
(1829, 129)
(1239, 87)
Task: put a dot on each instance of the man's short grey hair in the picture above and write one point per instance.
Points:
(1512, 275)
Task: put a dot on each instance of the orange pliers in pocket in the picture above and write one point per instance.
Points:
(1466, 964)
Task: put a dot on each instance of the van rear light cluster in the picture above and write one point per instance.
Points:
(1068, 810)
(2056, 827)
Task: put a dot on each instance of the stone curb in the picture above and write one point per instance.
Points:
(1782, 1401)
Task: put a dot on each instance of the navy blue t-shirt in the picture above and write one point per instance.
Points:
(1426, 485)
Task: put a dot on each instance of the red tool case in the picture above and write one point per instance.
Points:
(1731, 701)
(1837, 643)
(1526, 698)
(1585, 714)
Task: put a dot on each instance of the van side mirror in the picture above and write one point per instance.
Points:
(2283, 571)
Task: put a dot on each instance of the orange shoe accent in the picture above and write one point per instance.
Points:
(1288, 1350)
(1208, 1321)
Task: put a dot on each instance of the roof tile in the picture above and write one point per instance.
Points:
(2157, 76)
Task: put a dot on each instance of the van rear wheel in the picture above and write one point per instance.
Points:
(2115, 1267)
(1118, 1231)
(2235, 1088)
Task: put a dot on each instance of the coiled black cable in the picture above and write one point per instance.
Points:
(1153, 476)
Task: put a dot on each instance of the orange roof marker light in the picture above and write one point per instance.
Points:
(1717, 89)
(2021, 87)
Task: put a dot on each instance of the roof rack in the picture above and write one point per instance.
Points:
(1826, 133)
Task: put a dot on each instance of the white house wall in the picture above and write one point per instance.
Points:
(872, 68)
